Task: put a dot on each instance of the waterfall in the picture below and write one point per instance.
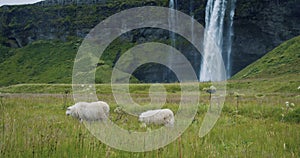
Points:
(172, 23)
(192, 19)
(193, 37)
(211, 66)
(229, 36)
(172, 20)
(214, 20)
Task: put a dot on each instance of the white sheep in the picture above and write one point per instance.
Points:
(94, 111)
(158, 117)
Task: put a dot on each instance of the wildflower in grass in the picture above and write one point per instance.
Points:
(285, 110)
(287, 104)
(143, 125)
(299, 88)
(292, 105)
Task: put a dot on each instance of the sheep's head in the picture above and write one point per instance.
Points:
(141, 119)
(71, 110)
(169, 120)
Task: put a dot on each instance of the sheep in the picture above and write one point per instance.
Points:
(159, 117)
(94, 111)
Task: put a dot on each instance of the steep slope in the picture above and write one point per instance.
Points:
(284, 60)
(51, 61)
(39, 62)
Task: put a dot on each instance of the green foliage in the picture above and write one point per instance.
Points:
(35, 125)
(39, 62)
(63, 18)
(52, 62)
(293, 116)
(5, 52)
(280, 62)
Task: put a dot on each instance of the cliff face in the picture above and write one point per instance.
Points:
(259, 25)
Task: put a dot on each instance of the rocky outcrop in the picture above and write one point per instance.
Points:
(262, 25)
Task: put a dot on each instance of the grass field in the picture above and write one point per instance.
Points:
(34, 124)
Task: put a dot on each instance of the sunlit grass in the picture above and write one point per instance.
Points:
(35, 125)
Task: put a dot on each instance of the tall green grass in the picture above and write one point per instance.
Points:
(35, 125)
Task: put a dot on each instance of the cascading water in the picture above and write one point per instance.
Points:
(212, 65)
(172, 20)
(229, 36)
(192, 19)
(192, 14)
(172, 23)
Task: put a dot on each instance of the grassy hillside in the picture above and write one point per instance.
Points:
(52, 61)
(284, 60)
(6, 52)
(39, 62)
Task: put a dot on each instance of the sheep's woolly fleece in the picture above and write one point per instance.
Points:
(158, 117)
(94, 111)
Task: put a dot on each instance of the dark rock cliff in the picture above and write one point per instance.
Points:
(262, 25)
(259, 25)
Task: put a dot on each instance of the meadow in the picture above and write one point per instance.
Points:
(252, 123)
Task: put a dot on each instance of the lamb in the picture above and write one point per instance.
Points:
(94, 111)
(159, 117)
